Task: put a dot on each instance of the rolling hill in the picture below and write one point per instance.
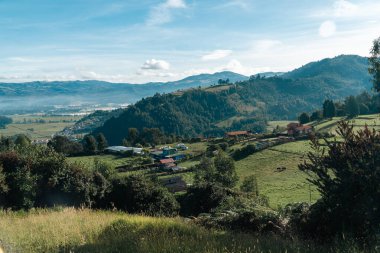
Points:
(245, 104)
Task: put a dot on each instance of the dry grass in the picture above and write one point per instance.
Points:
(70, 230)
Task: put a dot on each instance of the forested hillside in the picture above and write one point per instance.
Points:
(246, 105)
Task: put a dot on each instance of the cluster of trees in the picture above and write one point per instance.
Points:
(4, 121)
(37, 176)
(352, 106)
(148, 137)
(90, 145)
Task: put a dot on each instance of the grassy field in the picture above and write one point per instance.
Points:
(372, 121)
(284, 187)
(35, 130)
(70, 230)
(112, 160)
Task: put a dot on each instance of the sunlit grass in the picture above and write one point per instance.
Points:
(72, 230)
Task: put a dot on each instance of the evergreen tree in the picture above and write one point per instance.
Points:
(304, 118)
(133, 136)
(374, 64)
(90, 145)
(352, 106)
(329, 109)
(102, 142)
(317, 115)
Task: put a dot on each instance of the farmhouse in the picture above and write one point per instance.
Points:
(297, 128)
(166, 163)
(238, 134)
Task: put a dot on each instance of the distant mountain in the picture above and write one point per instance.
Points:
(347, 74)
(44, 95)
(245, 104)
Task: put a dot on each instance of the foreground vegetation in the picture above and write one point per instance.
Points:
(70, 230)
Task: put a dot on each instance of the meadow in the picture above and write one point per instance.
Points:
(38, 126)
(71, 230)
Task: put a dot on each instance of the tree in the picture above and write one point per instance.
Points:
(64, 145)
(204, 172)
(22, 140)
(347, 174)
(352, 106)
(315, 116)
(374, 64)
(225, 170)
(89, 144)
(133, 135)
(329, 109)
(139, 194)
(304, 118)
(102, 141)
(5, 121)
(249, 184)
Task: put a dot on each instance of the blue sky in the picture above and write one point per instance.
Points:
(162, 40)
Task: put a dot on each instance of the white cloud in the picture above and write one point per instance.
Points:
(265, 45)
(242, 4)
(162, 13)
(344, 8)
(327, 29)
(175, 4)
(216, 55)
(154, 64)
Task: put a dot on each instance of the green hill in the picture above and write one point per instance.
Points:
(245, 104)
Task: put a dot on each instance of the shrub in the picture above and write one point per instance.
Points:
(347, 174)
(138, 194)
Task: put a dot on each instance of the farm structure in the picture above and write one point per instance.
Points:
(298, 129)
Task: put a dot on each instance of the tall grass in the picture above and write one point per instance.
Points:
(70, 230)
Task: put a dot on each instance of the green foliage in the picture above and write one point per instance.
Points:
(329, 109)
(220, 171)
(203, 198)
(37, 176)
(89, 144)
(346, 174)
(304, 118)
(244, 152)
(315, 116)
(139, 194)
(4, 121)
(352, 107)
(104, 168)
(102, 141)
(64, 145)
(374, 64)
(22, 140)
(249, 185)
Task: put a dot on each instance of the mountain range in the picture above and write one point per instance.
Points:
(42, 96)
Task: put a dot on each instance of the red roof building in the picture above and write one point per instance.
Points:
(297, 128)
(238, 134)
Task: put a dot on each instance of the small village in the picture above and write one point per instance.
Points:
(166, 160)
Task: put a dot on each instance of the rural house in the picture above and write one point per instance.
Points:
(298, 129)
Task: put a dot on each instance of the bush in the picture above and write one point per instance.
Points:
(244, 152)
(347, 174)
(37, 176)
(138, 194)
